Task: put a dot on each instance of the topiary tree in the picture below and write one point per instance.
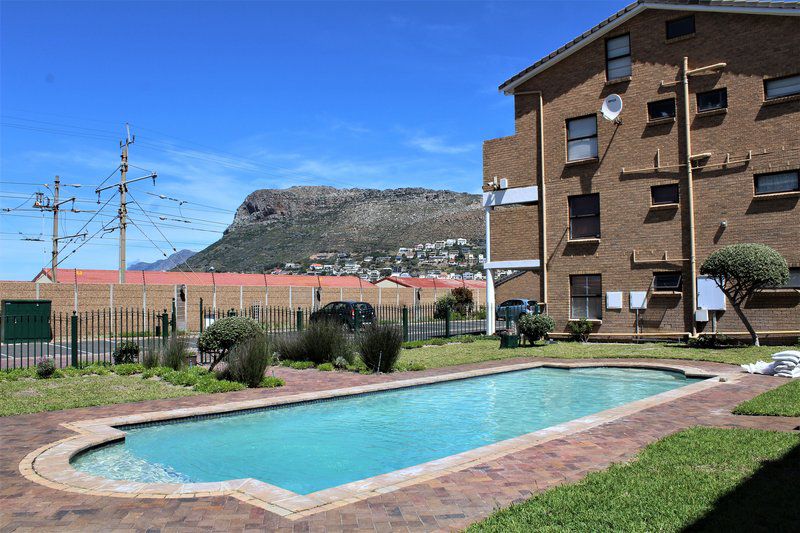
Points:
(463, 299)
(741, 270)
(221, 336)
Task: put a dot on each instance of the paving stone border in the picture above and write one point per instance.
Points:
(50, 464)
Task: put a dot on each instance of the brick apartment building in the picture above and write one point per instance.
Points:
(606, 215)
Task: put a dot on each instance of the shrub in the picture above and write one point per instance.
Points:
(249, 359)
(715, 340)
(463, 300)
(174, 354)
(340, 362)
(151, 357)
(580, 329)
(379, 347)
(325, 367)
(323, 341)
(411, 366)
(298, 365)
(536, 327)
(221, 336)
(127, 369)
(126, 352)
(45, 367)
(211, 385)
(448, 301)
(741, 270)
(271, 382)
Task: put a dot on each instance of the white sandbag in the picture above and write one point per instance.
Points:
(787, 355)
(760, 367)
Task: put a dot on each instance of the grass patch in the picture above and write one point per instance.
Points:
(298, 365)
(698, 479)
(25, 396)
(782, 401)
(489, 350)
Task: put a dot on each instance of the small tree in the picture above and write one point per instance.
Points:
(741, 270)
(221, 336)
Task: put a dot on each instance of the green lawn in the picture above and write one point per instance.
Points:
(701, 479)
(783, 401)
(488, 350)
(34, 395)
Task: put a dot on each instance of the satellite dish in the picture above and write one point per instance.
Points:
(612, 107)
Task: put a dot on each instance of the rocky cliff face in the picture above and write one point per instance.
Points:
(279, 225)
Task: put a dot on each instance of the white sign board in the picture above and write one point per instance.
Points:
(614, 300)
(709, 295)
(638, 299)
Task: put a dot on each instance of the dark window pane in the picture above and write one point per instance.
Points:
(716, 99)
(584, 205)
(618, 57)
(779, 87)
(664, 194)
(667, 281)
(585, 228)
(680, 27)
(586, 296)
(778, 182)
(661, 109)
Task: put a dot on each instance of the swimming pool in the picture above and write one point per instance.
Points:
(313, 446)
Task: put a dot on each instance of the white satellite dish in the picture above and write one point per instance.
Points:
(612, 107)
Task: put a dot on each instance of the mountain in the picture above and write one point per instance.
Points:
(168, 263)
(274, 226)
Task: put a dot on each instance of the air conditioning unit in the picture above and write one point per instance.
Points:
(504, 183)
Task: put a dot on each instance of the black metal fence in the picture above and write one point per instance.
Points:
(79, 338)
(91, 337)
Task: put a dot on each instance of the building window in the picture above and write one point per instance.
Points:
(780, 87)
(793, 282)
(777, 182)
(584, 216)
(661, 109)
(665, 194)
(586, 297)
(710, 100)
(680, 27)
(582, 138)
(666, 281)
(618, 57)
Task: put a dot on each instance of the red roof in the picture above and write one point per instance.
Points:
(431, 283)
(139, 277)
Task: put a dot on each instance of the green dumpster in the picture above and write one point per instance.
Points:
(25, 320)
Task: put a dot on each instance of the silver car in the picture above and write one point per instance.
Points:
(516, 308)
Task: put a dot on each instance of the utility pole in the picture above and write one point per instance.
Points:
(122, 186)
(43, 203)
(123, 208)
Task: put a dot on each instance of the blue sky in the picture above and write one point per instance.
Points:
(228, 97)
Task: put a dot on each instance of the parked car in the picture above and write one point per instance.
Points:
(516, 307)
(348, 313)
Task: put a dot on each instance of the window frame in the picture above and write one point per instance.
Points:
(573, 217)
(668, 289)
(586, 298)
(767, 98)
(629, 55)
(677, 188)
(796, 172)
(723, 90)
(651, 118)
(595, 137)
(679, 19)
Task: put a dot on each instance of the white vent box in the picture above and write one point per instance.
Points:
(503, 183)
(638, 299)
(701, 315)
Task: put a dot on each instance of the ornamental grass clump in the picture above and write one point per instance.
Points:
(324, 341)
(221, 336)
(379, 347)
(248, 361)
(175, 353)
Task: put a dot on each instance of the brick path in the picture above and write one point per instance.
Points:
(445, 503)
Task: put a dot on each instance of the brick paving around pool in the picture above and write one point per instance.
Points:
(442, 500)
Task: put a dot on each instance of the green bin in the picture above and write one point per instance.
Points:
(26, 320)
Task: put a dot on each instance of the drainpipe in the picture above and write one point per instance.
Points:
(689, 177)
(490, 321)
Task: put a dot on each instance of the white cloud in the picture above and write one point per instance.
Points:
(438, 145)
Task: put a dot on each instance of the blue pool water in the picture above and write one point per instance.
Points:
(313, 446)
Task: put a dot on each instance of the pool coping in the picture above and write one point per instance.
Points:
(50, 465)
